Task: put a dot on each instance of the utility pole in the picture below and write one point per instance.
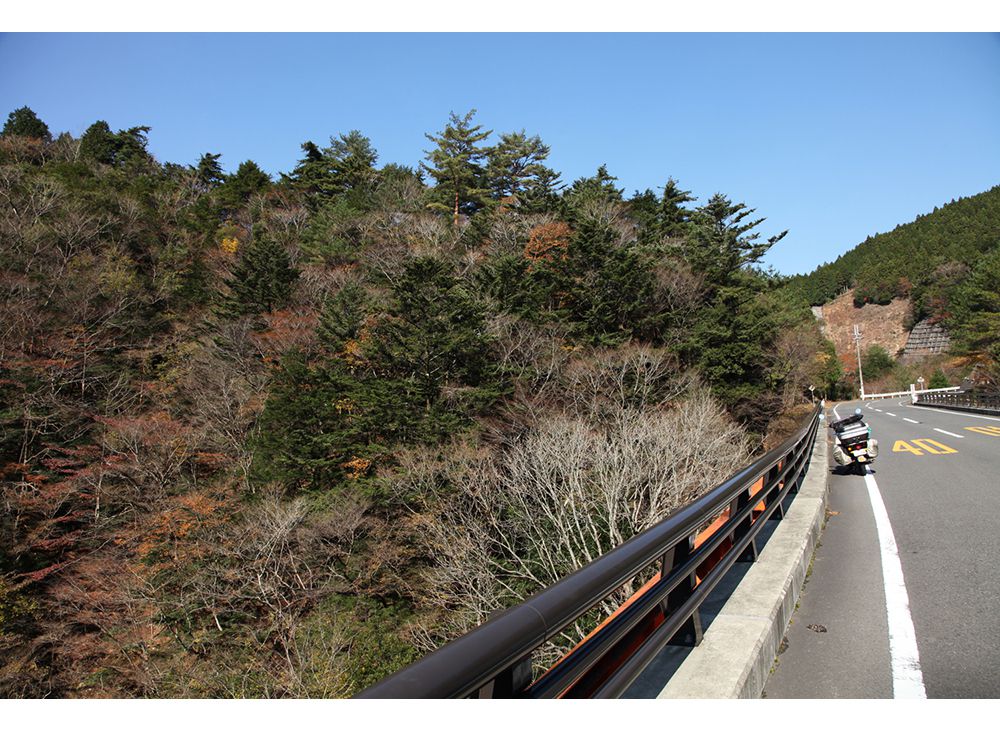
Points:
(857, 343)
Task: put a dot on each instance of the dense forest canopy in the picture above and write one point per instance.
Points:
(279, 437)
(922, 260)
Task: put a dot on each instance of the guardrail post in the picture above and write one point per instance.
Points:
(510, 682)
(690, 633)
(743, 528)
(769, 480)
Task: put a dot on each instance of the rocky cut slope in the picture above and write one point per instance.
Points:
(883, 325)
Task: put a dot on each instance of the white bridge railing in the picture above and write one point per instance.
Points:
(912, 393)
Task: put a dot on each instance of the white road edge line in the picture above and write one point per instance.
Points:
(907, 678)
(946, 432)
(907, 419)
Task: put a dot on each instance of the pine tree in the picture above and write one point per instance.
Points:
(262, 279)
(720, 244)
(25, 122)
(455, 166)
(122, 148)
(515, 166)
(352, 163)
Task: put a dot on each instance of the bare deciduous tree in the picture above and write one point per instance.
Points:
(560, 495)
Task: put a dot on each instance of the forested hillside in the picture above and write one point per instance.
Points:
(904, 262)
(946, 262)
(279, 437)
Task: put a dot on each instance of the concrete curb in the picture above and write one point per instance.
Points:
(738, 650)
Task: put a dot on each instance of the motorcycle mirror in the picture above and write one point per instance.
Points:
(858, 410)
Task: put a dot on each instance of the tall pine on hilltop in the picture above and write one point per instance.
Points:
(455, 166)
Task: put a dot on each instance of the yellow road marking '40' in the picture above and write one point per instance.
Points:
(923, 445)
(991, 431)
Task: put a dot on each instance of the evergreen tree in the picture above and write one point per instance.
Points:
(720, 243)
(312, 173)
(541, 192)
(262, 278)
(515, 168)
(674, 220)
(455, 166)
(132, 146)
(332, 235)
(975, 315)
(99, 143)
(587, 193)
(209, 172)
(244, 183)
(876, 362)
(342, 317)
(119, 149)
(434, 334)
(938, 380)
(25, 123)
(311, 426)
(731, 343)
(352, 164)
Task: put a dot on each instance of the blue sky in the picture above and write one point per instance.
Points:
(833, 137)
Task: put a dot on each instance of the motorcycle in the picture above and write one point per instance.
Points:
(853, 444)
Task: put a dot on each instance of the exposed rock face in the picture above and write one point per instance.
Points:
(879, 324)
(926, 339)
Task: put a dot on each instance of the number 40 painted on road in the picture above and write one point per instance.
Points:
(919, 446)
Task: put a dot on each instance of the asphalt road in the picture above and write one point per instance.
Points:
(938, 475)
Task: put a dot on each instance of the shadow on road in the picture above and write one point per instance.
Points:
(849, 470)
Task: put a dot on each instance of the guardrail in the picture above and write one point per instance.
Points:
(974, 400)
(912, 392)
(494, 660)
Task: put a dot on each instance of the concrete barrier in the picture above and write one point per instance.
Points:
(739, 647)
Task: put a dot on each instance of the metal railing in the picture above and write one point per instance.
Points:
(973, 399)
(494, 660)
(911, 392)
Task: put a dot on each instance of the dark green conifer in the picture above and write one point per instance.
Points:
(209, 171)
(99, 143)
(674, 217)
(515, 166)
(342, 317)
(720, 243)
(262, 278)
(25, 123)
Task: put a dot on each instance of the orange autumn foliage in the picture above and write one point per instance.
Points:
(548, 241)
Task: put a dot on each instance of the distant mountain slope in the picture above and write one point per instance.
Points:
(921, 260)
